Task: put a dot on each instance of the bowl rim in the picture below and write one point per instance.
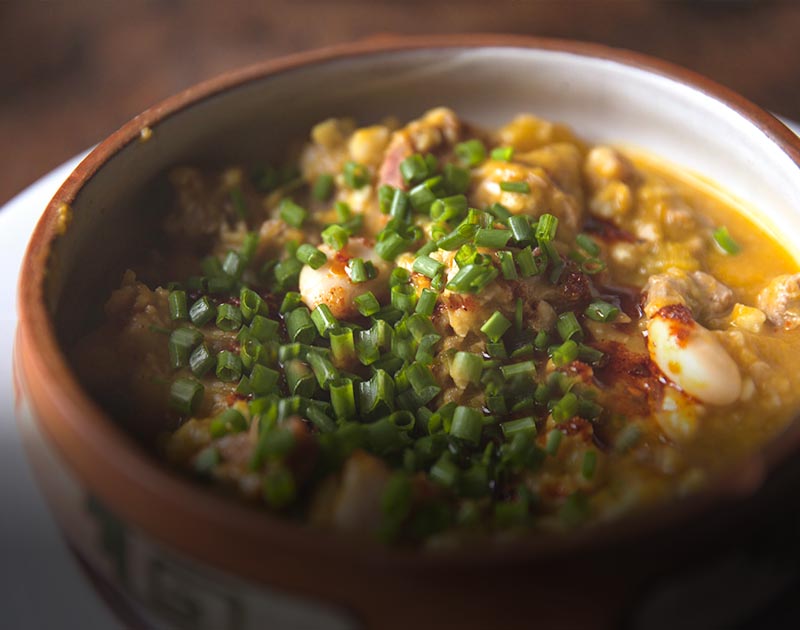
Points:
(88, 438)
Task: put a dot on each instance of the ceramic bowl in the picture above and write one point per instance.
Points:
(170, 552)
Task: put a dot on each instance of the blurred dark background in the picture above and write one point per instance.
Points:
(73, 71)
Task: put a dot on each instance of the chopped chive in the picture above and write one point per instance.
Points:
(589, 465)
(202, 312)
(323, 369)
(292, 213)
(507, 266)
(251, 304)
(185, 395)
(367, 304)
(323, 187)
(449, 208)
(528, 264)
(427, 266)
(492, 238)
(229, 421)
(299, 325)
(181, 343)
(456, 179)
(399, 207)
(249, 247)
(525, 368)
(311, 256)
(568, 327)
(590, 355)
(178, 309)
(376, 396)
(467, 424)
(526, 426)
(264, 329)
(359, 271)
(414, 169)
(422, 197)
(471, 152)
(229, 366)
(229, 317)
(515, 187)
(390, 245)
(496, 326)
(587, 244)
(343, 398)
(335, 237)
(546, 228)
(565, 408)
(725, 241)
(601, 311)
(520, 229)
(342, 345)
(593, 266)
(426, 302)
(233, 265)
(324, 320)
(385, 196)
(466, 368)
(300, 378)
(201, 360)
(403, 298)
(291, 301)
(565, 354)
(503, 154)
(553, 442)
(356, 175)
(444, 471)
(287, 272)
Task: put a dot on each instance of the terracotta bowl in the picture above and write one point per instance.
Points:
(173, 553)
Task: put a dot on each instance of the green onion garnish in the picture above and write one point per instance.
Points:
(201, 360)
(414, 169)
(565, 354)
(311, 256)
(323, 187)
(229, 366)
(202, 312)
(466, 368)
(291, 301)
(181, 343)
(343, 398)
(229, 317)
(229, 421)
(238, 201)
(426, 302)
(553, 442)
(601, 311)
(565, 408)
(503, 154)
(568, 327)
(725, 241)
(299, 325)
(587, 244)
(178, 309)
(360, 271)
(252, 304)
(367, 304)
(467, 424)
(427, 266)
(335, 237)
(489, 237)
(515, 187)
(356, 175)
(456, 179)
(589, 464)
(278, 487)
(496, 326)
(185, 395)
(292, 213)
(520, 229)
(546, 228)
(471, 152)
(324, 320)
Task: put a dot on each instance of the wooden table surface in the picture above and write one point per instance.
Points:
(73, 71)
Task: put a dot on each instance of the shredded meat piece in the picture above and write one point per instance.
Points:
(702, 293)
(780, 301)
(436, 128)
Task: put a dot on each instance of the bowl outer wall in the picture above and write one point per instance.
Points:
(109, 462)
